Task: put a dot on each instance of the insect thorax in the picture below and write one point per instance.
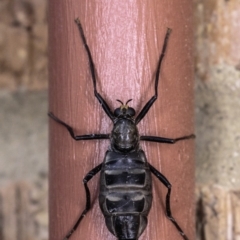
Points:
(124, 136)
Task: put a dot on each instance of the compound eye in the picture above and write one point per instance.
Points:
(131, 112)
(117, 112)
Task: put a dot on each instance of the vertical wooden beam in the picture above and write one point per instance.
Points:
(126, 39)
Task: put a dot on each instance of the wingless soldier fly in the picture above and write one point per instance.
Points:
(125, 196)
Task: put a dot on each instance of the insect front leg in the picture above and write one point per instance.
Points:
(103, 103)
(149, 104)
(88, 177)
(80, 137)
(168, 185)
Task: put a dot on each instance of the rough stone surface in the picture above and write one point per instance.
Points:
(23, 44)
(217, 118)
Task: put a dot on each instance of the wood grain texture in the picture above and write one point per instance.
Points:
(125, 38)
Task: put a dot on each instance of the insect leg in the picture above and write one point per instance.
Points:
(165, 140)
(149, 104)
(88, 177)
(81, 137)
(168, 185)
(103, 103)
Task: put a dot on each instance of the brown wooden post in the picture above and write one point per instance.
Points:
(126, 39)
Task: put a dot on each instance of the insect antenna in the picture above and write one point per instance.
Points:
(128, 101)
(119, 101)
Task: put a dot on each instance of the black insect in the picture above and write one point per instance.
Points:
(125, 196)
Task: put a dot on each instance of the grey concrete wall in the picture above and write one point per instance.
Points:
(23, 166)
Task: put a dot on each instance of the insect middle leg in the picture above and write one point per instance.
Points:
(166, 140)
(88, 177)
(168, 185)
(80, 137)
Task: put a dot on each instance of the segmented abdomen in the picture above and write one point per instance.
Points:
(125, 193)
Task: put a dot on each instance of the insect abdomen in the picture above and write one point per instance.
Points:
(125, 193)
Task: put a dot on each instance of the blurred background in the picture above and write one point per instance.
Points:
(23, 119)
(24, 136)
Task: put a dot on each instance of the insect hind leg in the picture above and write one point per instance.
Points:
(168, 185)
(88, 177)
